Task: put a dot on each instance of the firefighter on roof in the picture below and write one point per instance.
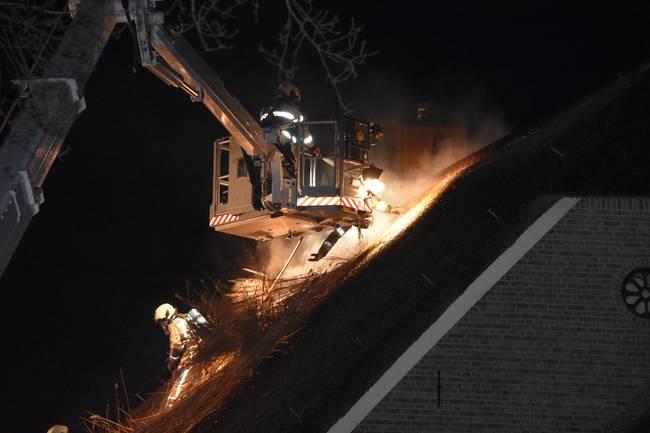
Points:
(281, 121)
(184, 333)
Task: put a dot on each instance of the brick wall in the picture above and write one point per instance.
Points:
(550, 348)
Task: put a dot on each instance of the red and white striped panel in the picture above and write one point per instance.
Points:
(223, 219)
(352, 203)
(355, 203)
(319, 201)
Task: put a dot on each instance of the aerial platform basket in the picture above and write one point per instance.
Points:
(324, 194)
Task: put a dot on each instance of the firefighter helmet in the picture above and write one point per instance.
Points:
(290, 90)
(58, 429)
(164, 313)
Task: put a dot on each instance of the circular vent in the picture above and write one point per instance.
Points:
(636, 292)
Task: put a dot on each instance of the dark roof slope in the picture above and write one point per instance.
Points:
(601, 145)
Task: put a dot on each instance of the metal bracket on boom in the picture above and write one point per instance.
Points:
(22, 198)
(71, 83)
(329, 243)
(20, 205)
(145, 20)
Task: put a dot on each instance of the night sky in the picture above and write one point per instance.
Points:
(125, 220)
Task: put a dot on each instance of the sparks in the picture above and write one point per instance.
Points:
(404, 221)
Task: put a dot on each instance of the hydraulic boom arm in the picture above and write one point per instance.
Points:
(54, 101)
(51, 105)
(173, 60)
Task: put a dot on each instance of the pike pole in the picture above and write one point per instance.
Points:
(293, 253)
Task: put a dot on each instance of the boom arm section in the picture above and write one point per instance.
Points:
(55, 100)
(173, 60)
(51, 106)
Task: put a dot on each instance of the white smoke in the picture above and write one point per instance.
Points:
(402, 191)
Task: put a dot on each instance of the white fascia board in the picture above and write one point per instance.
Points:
(453, 314)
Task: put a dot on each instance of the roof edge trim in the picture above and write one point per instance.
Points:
(472, 294)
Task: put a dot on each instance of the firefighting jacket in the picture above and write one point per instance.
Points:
(180, 336)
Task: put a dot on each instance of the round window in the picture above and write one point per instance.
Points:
(636, 292)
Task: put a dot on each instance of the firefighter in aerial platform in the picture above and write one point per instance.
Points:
(374, 189)
(282, 123)
(184, 330)
(371, 189)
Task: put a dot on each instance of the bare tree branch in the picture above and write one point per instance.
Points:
(256, 11)
(283, 59)
(30, 31)
(210, 19)
(339, 51)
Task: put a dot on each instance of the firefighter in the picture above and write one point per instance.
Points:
(183, 331)
(376, 134)
(281, 121)
(58, 429)
(374, 189)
